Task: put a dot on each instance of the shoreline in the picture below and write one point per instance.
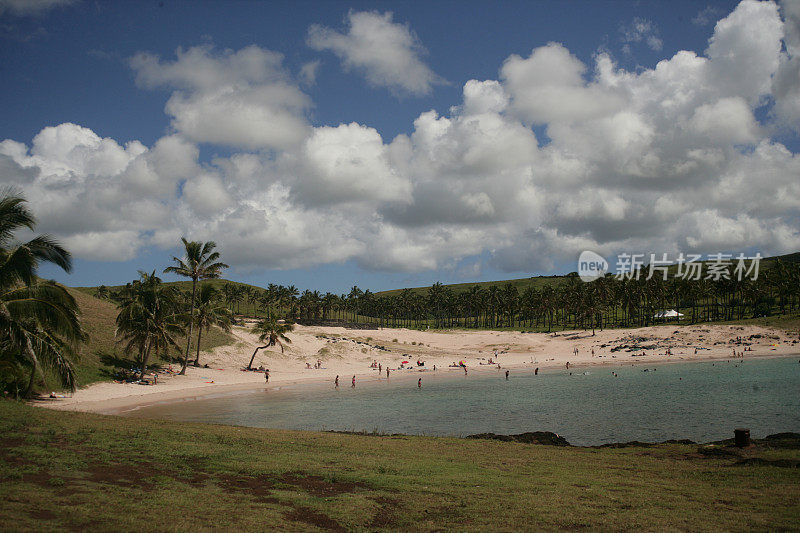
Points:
(346, 353)
(125, 404)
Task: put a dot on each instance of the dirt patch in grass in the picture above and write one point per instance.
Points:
(137, 475)
(312, 517)
(259, 487)
(319, 486)
(385, 517)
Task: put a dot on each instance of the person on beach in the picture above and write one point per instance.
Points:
(387, 372)
(354, 382)
(465, 370)
(336, 382)
(567, 365)
(419, 383)
(536, 372)
(380, 369)
(266, 375)
(506, 375)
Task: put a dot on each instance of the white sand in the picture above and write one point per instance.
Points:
(349, 352)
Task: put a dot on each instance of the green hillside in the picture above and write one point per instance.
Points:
(521, 284)
(538, 282)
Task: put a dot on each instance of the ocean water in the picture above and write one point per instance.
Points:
(698, 401)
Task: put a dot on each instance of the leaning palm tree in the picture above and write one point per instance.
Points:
(39, 320)
(200, 262)
(272, 331)
(211, 311)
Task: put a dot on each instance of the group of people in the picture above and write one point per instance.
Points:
(316, 366)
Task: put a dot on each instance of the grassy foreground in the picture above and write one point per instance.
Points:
(78, 471)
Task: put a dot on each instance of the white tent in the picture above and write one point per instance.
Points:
(668, 314)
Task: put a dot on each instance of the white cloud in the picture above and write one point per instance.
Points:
(745, 50)
(786, 83)
(705, 16)
(386, 52)
(642, 30)
(308, 72)
(548, 86)
(243, 99)
(105, 245)
(345, 164)
(206, 195)
(726, 121)
(670, 158)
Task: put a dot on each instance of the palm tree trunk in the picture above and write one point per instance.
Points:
(250, 364)
(189, 336)
(197, 357)
(35, 361)
(144, 360)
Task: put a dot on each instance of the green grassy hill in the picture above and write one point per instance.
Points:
(538, 282)
(75, 471)
(521, 284)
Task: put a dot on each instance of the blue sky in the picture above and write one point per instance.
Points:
(360, 185)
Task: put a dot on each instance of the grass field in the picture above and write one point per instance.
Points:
(74, 471)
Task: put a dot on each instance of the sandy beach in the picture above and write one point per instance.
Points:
(348, 353)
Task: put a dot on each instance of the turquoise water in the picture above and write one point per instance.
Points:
(697, 401)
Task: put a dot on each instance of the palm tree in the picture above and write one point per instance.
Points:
(200, 263)
(148, 319)
(272, 331)
(211, 311)
(39, 320)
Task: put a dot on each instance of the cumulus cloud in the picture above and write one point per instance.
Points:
(664, 159)
(347, 164)
(244, 99)
(786, 83)
(548, 86)
(386, 52)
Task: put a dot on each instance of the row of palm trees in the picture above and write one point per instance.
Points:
(573, 304)
(565, 304)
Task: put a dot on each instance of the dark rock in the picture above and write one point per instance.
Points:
(535, 437)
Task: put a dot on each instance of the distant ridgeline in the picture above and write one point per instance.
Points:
(541, 303)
